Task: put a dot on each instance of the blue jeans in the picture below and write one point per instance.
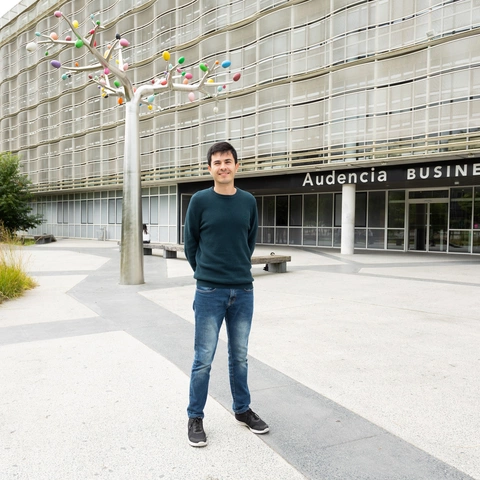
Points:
(211, 306)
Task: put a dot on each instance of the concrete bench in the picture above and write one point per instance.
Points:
(273, 263)
(170, 249)
(40, 239)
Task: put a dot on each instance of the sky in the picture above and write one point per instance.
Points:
(6, 5)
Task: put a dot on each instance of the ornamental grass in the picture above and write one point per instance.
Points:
(14, 280)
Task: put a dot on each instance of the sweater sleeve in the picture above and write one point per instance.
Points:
(191, 234)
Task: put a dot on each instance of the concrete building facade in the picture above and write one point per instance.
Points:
(378, 97)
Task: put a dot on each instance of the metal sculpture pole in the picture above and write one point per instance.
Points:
(111, 65)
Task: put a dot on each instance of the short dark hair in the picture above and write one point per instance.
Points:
(221, 147)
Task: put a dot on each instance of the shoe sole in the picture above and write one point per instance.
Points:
(258, 432)
(197, 444)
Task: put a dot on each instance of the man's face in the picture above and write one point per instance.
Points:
(223, 168)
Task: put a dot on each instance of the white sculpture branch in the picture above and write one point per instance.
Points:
(110, 73)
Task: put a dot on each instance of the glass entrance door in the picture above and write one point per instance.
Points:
(427, 226)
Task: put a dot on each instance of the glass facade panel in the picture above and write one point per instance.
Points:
(376, 209)
(459, 241)
(361, 209)
(376, 238)
(325, 210)
(281, 211)
(268, 235)
(269, 211)
(310, 210)
(396, 209)
(119, 210)
(325, 237)
(154, 210)
(294, 236)
(337, 237)
(310, 236)
(461, 208)
(295, 211)
(476, 242)
(395, 239)
(360, 240)
(338, 210)
(281, 236)
(476, 209)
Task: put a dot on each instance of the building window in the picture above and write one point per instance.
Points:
(461, 208)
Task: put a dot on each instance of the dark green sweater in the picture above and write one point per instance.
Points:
(220, 235)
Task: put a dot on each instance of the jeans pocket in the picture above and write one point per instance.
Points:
(205, 289)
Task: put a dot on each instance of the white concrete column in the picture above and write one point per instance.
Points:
(348, 219)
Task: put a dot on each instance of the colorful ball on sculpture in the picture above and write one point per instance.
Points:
(54, 36)
(31, 47)
(106, 71)
(191, 96)
(116, 83)
(79, 43)
(181, 60)
(124, 42)
(226, 63)
(68, 38)
(120, 100)
(55, 64)
(64, 76)
(58, 13)
(38, 34)
(163, 82)
(236, 77)
(151, 98)
(166, 56)
(210, 80)
(150, 107)
(203, 67)
(75, 24)
(125, 67)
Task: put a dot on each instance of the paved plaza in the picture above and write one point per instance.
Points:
(365, 366)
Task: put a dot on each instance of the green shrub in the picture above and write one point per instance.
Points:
(13, 279)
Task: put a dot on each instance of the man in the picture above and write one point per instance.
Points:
(220, 233)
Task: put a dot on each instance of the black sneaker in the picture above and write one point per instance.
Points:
(196, 434)
(251, 420)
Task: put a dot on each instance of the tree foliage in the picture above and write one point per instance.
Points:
(15, 196)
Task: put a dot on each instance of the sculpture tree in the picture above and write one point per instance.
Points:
(110, 73)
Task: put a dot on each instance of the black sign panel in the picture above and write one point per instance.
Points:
(428, 175)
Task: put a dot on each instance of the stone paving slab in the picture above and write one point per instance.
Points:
(387, 343)
(106, 406)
